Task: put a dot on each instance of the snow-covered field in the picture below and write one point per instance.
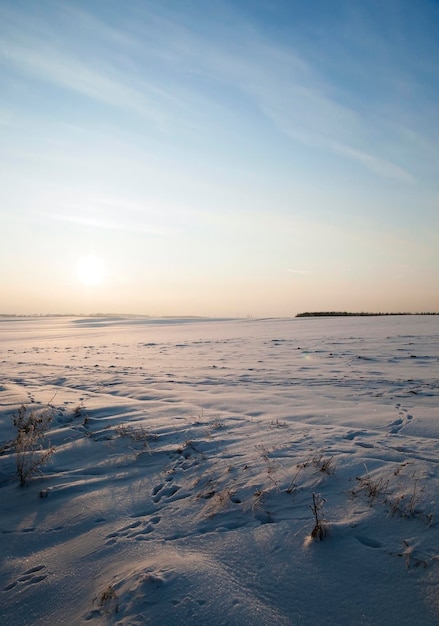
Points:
(186, 458)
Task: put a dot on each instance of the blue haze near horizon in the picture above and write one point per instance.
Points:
(219, 158)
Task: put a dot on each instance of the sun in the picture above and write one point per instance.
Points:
(90, 270)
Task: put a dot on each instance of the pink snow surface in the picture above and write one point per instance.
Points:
(187, 453)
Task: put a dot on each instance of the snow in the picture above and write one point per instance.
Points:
(186, 457)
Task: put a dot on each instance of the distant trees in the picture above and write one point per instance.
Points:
(351, 314)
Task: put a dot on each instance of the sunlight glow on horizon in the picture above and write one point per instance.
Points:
(90, 270)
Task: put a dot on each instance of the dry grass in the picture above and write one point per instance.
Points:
(30, 453)
(320, 529)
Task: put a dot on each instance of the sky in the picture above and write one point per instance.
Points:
(243, 157)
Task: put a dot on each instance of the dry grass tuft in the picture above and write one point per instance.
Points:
(30, 453)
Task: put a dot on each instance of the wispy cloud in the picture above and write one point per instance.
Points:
(155, 217)
(105, 223)
(105, 213)
(290, 91)
(376, 164)
(291, 94)
(97, 83)
(167, 64)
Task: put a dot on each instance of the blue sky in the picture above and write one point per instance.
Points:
(219, 158)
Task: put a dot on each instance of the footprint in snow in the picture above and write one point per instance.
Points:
(352, 435)
(368, 541)
(364, 444)
(160, 491)
(398, 424)
(31, 576)
(395, 426)
(136, 530)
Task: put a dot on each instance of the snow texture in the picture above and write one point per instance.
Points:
(186, 456)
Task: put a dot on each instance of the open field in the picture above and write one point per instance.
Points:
(187, 457)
